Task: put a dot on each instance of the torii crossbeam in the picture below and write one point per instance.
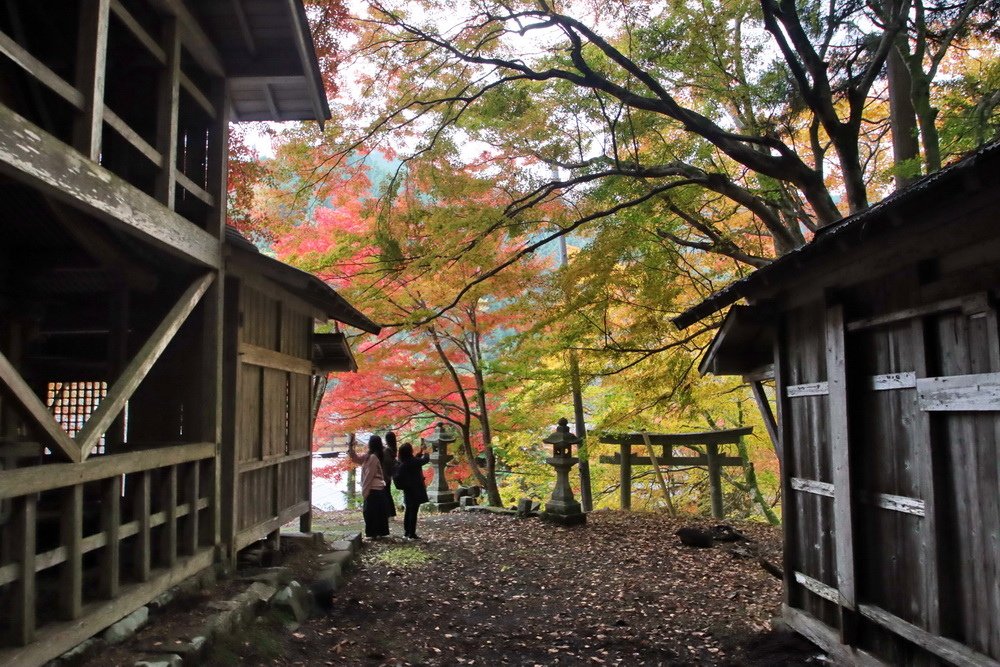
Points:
(710, 459)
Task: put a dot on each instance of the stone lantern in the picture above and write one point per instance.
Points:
(562, 507)
(441, 497)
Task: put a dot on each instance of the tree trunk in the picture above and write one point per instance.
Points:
(926, 117)
(902, 116)
(846, 144)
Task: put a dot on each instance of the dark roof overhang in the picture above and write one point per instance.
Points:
(744, 343)
(302, 284)
(848, 234)
(269, 57)
(332, 352)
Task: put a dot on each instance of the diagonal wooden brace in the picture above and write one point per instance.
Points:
(137, 370)
(54, 435)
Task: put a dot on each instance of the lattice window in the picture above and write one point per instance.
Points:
(72, 403)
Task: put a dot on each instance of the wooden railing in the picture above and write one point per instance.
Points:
(91, 541)
(199, 178)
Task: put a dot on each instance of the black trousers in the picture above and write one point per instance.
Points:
(410, 518)
(376, 514)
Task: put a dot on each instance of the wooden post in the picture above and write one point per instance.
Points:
(843, 501)
(23, 621)
(930, 481)
(191, 535)
(143, 544)
(715, 480)
(789, 519)
(167, 110)
(111, 526)
(71, 571)
(228, 461)
(168, 533)
(626, 477)
(91, 60)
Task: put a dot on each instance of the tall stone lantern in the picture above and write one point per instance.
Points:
(562, 507)
(442, 498)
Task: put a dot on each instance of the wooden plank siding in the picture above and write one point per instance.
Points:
(922, 413)
(272, 466)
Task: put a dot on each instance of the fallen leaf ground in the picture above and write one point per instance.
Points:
(496, 590)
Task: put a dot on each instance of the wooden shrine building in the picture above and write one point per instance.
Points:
(155, 374)
(882, 338)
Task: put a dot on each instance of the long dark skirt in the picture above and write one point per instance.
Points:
(390, 503)
(376, 514)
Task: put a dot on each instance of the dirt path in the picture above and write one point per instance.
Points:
(491, 590)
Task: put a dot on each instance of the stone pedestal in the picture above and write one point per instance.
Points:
(562, 507)
(442, 499)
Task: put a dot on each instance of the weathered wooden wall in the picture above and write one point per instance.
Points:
(889, 400)
(270, 356)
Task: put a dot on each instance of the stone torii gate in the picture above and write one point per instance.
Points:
(711, 459)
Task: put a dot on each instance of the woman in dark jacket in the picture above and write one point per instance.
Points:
(410, 479)
(389, 464)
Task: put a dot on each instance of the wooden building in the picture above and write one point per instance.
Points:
(154, 378)
(881, 336)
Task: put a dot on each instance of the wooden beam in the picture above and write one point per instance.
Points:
(979, 392)
(138, 31)
(953, 652)
(974, 303)
(139, 367)
(200, 45)
(843, 493)
(199, 97)
(36, 479)
(277, 460)
(116, 123)
(167, 107)
(818, 587)
(261, 356)
(810, 389)
(764, 407)
(91, 61)
(39, 71)
(199, 192)
(71, 573)
(672, 461)
(812, 486)
(36, 412)
(30, 155)
(265, 528)
(891, 381)
(306, 57)
(244, 24)
(729, 436)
